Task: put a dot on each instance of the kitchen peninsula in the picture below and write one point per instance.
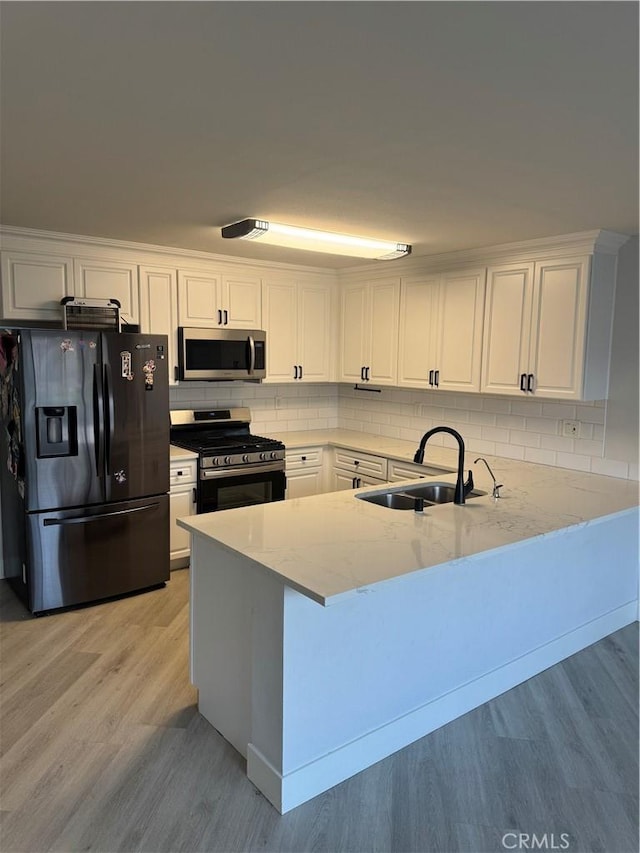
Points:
(328, 632)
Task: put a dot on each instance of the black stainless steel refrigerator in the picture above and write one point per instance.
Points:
(85, 431)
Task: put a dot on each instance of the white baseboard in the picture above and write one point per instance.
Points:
(288, 791)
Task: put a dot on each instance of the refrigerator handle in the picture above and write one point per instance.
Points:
(98, 419)
(109, 415)
(87, 519)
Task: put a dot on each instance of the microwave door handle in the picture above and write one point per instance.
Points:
(252, 354)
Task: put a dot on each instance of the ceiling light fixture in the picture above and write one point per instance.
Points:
(292, 237)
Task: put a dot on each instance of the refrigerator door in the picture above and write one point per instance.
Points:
(61, 406)
(136, 415)
(82, 555)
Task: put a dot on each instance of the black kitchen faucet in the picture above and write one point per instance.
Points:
(462, 488)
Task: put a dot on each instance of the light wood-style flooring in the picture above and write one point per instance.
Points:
(103, 750)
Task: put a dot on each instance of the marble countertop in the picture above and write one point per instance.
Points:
(178, 453)
(332, 546)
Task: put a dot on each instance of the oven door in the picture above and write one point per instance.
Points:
(254, 484)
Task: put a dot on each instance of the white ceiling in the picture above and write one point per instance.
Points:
(446, 125)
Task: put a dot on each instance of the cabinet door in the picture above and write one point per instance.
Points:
(507, 326)
(459, 342)
(199, 299)
(558, 323)
(33, 285)
(280, 312)
(353, 332)
(110, 280)
(314, 332)
(305, 482)
(383, 331)
(419, 303)
(158, 308)
(342, 480)
(181, 504)
(241, 300)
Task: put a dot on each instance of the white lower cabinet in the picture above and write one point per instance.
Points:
(182, 503)
(353, 470)
(304, 468)
(406, 471)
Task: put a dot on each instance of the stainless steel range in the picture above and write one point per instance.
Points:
(235, 468)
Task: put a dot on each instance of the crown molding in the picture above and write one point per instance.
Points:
(582, 242)
(60, 243)
(578, 243)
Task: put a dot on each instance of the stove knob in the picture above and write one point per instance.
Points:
(227, 460)
(274, 455)
(215, 460)
(263, 456)
(245, 457)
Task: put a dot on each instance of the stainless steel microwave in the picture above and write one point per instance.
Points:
(219, 354)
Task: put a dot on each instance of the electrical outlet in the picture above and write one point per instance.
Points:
(278, 402)
(417, 410)
(570, 429)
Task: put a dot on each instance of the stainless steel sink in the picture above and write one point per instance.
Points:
(431, 494)
(392, 500)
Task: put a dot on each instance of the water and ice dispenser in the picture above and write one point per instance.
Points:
(57, 431)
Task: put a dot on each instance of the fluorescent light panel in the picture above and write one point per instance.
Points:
(292, 237)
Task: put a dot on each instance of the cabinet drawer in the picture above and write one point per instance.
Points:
(303, 457)
(407, 471)
(361, 463)
(183, 472)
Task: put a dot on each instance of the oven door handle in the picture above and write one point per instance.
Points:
(217, 473)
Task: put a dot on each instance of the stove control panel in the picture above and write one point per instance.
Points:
(239, 460)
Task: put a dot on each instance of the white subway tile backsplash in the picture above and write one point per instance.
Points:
(546, 425)
(588, 448)
(528, 439)
(498, 405)
(610, 468)
(541, 457)
(484, 418)
(510, 421)
(525, 429)
(557, 442)
(574, 461)
(495, 434)
(529, 408)
(566, 411)
(590, 414)
(510, 451)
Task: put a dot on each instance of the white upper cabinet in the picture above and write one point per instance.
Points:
(33, 285)
(440, 344)
(298, 317)
(214, 299)
(97, 279)
(158, 309)
(536, 321)
(369, 332)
